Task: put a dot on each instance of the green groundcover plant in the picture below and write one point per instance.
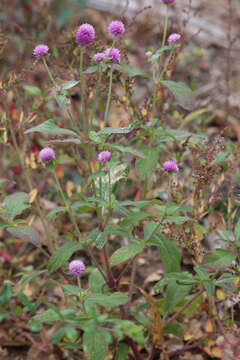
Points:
(101, 318)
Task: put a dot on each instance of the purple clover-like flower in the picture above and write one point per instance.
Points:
(104, 156)
(99, 57)
(168, 1)
(85, 34)
(173, 38)
(114, 55)
(232, 238)
(165, 196)
(76, 267)
(116, 28)
(148, 53)
(47, 154)
(40, 50)
(170, 165)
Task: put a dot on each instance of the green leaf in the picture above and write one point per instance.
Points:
(146, 166)
(169, 254)
(174, 328)
(96, 281)
(158, 53)
(183, 94)
(175, 294)
(220, 258)
(28, 304)
(126, 149)
(69, 84)
(26, 233)
(110, 130)
(209, 286)
(131, 71)
(6, 294)
(192, 116)
(91, 69)
(52, 214)
(95, 344)
(62, 99)
(70, 290)
(61, 255)
(110, 301)
(49, 127)
(101, 240)
(122, 351)
(16, 203)
(135, 218)
(32, 90)
(125, 253)
(51, 316)
(57, 336)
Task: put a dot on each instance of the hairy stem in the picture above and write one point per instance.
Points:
(109, 97)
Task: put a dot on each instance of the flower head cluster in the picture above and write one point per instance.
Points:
(114, 55)
(47, 154)
(104, 156)
(85, 34)
(116, 28)
(99, 57)
(40, 50)
(170, 165)
(148, 53)
(173, 38)
(76, 267)
(168, 1)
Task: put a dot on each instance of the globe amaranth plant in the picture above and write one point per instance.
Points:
(110, 231)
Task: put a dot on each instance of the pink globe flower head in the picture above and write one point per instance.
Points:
(232, 238)
(115, 54)
(170, 166)
(165, 196)
(99, 57)
(40, 50)
(47, 154)
(85, 34)
(104, 156)
(148, 53)
(76, 267)
(168, 1)
(173, 38)
(116, 28)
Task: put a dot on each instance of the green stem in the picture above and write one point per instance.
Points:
(109, 189)
(96, 95)
(66, 204)
(109, 96)
(175, 316)
(80, 295)
(49, 72)
(159, 64)
(83, 94)
(73, 123)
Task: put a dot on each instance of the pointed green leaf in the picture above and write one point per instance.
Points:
(62, 254)
(146, 166)
(169, 254)
(131, 71)
(183, 94)
(95, 344)
(220, 258)
(49, 127)
(16, 203)
(125, 253)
